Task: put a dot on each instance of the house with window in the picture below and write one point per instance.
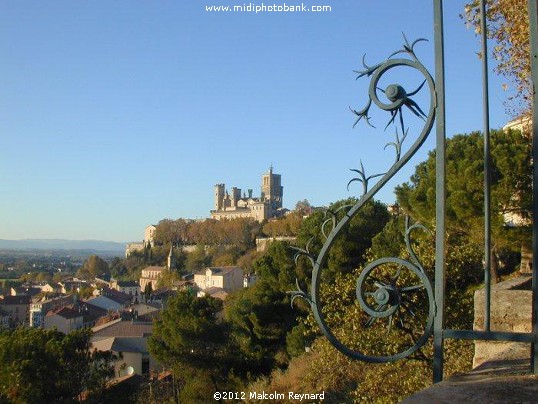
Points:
(40, 308)
(64, 319)
(72, 285)
(111, 300)
(91, 314)
(17, 308)
(150, 275)
(132, 352)
(130, 288)
(213, 279)
(128, 338)
(4, 319)
(25, 290)
(50, 288)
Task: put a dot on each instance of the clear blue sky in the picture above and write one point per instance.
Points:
(116, 114)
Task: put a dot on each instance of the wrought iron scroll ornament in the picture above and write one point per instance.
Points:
(380, 299)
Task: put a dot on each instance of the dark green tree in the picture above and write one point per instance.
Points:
(148, 289)
(389, 242)
(510, 192)
(260, 317)
(347, 253)
(92, 267)
(190, 340)
(188, 331)
(38, 366)
(297, 340)
(118, 268)
(197, 259)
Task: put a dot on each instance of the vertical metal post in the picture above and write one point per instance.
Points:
(533, 28)
(487, 168)
(440, 197)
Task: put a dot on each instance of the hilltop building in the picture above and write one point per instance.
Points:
(522, 123)
(152, 274)
(232, 205)
(149, 235)
(149, 241)
(218, 281)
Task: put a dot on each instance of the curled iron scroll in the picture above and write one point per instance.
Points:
(381, 299)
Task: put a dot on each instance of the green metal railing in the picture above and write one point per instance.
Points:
(408, 285)
(440, 333)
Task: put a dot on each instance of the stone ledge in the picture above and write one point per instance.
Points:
(502, 369)
(495, 382)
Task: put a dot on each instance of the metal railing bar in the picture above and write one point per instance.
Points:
(490, 335)
(487, 168)
(533, 28)
(439, 321)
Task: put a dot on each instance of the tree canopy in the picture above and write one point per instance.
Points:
(190, 340)
(187, 331)
(40, 366)
(92, 267)
(260, 317)
(511, 179)
(347, 253)
(508, 26)
(239, 232)
(347, 380)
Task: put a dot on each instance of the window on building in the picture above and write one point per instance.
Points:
(145, 366)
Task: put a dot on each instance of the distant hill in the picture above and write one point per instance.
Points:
(58, 244)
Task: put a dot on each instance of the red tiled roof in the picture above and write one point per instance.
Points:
(19, 299)
(216, 292)
(128, 284)
(117, 296)
(153, 268)
(219, 270)
(65, 312)
(124, 329)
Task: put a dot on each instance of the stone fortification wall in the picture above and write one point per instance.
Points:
(262, 243)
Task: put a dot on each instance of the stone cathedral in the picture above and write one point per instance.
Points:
(234, 205)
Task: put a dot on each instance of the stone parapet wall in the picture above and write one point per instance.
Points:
(511, 310)
(501, 371)
(132, 247)
(262, 243)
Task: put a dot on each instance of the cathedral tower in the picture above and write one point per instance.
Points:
(271, 189)
(219, 196)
